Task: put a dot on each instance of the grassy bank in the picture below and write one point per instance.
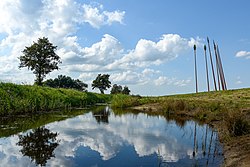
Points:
(232, 107)
(19, 99)
(228, 112)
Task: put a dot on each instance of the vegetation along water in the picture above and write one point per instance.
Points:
(228, 112)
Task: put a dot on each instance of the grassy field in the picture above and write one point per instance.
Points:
(19, 99)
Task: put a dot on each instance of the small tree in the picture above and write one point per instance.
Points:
(125, 90)
(101, 82)
(40, 58)
(116, 89)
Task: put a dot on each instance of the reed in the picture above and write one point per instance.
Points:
(18, 99)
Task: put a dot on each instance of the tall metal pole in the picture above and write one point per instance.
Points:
(205, 53)
(195, 69)
(220, 69)
(217, 65)
(223, 75)
(211, 60)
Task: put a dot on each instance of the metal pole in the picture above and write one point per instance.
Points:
(217, 65)
(211, 60)
(195, 69)
(205, 51)
(223, 75)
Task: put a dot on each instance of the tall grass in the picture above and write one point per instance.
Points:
(25, 98)
(124, 101)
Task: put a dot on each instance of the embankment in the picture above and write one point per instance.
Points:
(20, 99)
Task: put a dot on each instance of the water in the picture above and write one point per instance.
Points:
(102, 138)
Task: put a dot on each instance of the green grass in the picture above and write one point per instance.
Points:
(16, 99)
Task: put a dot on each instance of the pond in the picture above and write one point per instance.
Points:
(103, 137)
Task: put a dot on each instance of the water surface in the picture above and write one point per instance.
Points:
(102, 138)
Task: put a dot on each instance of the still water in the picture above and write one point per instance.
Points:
(103, 137)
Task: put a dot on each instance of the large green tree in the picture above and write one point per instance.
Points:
(101, 82)
(63, 81)
(40, 58)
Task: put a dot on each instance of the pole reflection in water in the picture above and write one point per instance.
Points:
(39, 145)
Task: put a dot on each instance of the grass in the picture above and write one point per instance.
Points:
(19, 99)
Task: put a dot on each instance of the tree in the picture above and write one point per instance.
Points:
(125, 90)
(101, 82)
(40, 58)
(116, 89)
(63, 81)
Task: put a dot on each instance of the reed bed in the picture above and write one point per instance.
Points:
(15, 99)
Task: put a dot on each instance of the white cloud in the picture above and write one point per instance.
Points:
(129, 78)
(147, 52)
(97, 18)
(182, 82)
(163, 80)
(23, 22)
(243, 54)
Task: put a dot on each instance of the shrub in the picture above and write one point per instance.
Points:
(237, 123)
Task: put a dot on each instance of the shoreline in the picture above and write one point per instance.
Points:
(236, 149)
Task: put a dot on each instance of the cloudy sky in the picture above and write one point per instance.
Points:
(146, 45)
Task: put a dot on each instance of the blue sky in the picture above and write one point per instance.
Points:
(146, 45)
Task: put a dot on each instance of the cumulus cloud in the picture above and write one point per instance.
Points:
(243, 54)
(163, 80)
(129, 77)
(59, 20)
(147, 52)
(97, 18)
(23, 22)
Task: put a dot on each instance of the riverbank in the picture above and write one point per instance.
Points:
(228, 112)
(21, 99)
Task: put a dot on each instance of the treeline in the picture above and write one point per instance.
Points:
(63, 81)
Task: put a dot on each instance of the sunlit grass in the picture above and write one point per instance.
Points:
(25, 98)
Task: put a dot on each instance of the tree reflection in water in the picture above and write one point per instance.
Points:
(39, 145)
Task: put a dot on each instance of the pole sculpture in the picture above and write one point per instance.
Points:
(211, 60)
(195, 69)
(222, 71)
(205, 53)
(217, 66)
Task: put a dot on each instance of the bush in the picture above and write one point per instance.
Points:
(237, 123)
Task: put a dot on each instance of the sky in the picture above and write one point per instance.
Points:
(145, 45)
